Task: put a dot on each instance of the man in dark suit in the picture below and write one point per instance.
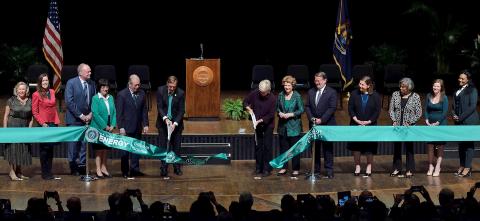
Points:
(78, 97)
(320, 108)
(132, 120)
(171, 108)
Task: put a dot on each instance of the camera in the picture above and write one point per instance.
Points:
(5, 205)
(50, 194)
(132, 192)
(343, 197)
(416, 188)
(369, 199)
(166, 207)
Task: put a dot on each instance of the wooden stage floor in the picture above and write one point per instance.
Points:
(227, 181)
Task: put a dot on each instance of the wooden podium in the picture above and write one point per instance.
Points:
(203, 89)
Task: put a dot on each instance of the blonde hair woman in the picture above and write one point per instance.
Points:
(18, 113)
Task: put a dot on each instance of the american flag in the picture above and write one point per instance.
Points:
(52, 44)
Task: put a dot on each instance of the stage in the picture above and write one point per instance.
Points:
(228, 180)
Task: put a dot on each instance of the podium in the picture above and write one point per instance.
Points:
(203, 89)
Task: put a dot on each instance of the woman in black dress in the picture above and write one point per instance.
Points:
(364, 109)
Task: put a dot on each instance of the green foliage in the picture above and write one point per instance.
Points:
(16, 59)
(444, 34)
(233, 109)
(386, 54)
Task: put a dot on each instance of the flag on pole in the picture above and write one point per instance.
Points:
(341, 44)
(52, 44)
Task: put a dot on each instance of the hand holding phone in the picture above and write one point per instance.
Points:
(343, 197)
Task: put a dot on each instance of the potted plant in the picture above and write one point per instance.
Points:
(444, 33)
(233, 109)
(15, 61)
(385, 54)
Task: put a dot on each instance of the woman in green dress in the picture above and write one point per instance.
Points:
(436, 109)
(18, 113)
(290, 109)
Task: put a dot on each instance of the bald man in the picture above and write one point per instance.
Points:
(132, 120)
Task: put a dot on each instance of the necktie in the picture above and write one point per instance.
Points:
(169, 112)
(318, 97)
(135, 97)
(85, 92)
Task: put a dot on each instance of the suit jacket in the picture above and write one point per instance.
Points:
(100, 112)
(292, 126)
(178, 106)
(468, 106)
(412, 111)
(326, 107)
(131, 117)
(76, 102)
(371, 111)
(44, 109)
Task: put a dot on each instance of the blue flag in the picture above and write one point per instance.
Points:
(341, 44)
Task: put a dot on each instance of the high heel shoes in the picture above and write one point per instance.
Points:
(395, 173)
(408, 174)
(468, 174)
(15, 178)
(430, 170)
(357, 170)
(282, 172)
(459, 171)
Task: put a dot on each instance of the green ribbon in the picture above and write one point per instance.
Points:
(93, 135)
(41, 134)
(140, 147)
(378, 134)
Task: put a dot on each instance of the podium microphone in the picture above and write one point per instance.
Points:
(201, 51)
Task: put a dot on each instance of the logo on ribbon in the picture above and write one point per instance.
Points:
(92, 135)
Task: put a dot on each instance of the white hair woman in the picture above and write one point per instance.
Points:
(261, 102)
(405, 110)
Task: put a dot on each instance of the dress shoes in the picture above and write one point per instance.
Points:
(178, 171)
(163, 172)
(329, 176)
(136, 173)
(266, 173)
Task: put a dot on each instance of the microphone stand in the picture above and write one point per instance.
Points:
(312, 177)
(87, 177)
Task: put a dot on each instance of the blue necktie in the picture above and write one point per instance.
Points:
(135, 96)
(85, 92)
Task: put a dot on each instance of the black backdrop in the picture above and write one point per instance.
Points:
(242, 33)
